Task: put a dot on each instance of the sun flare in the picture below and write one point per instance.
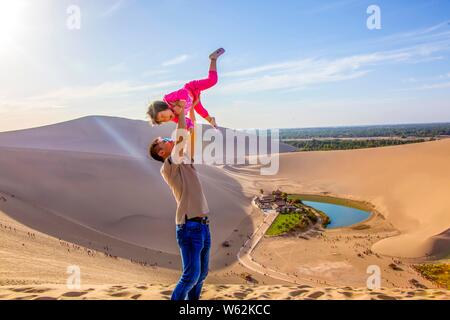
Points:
(11, 19)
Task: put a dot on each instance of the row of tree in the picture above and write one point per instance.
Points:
(406, 130)
(336, 144)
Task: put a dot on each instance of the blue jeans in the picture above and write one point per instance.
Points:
(194, 240)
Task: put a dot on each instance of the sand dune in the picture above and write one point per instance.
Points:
(89, 182)
(94, 172)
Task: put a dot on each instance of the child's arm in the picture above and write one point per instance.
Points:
(204, 113)
(181, 134)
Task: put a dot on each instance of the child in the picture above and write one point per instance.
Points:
(187, 97)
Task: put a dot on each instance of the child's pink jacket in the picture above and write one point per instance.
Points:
(189, 93)
(181, 94)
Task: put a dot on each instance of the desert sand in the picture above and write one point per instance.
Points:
(84, 193)
(407, 184)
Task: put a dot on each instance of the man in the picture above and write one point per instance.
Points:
(193, 235)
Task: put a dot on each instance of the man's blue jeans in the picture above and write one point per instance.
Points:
(194, 240)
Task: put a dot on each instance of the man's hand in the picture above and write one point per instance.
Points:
(180, 103)
(178, 110)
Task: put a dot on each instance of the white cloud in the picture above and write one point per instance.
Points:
(117, 5)
(153, 73)
(441, 85)
(119, 67)
(307, 72)
(298, 74)
(64, 97)
(438, 32)
(332, 6)
(177, 60)
(103, 90)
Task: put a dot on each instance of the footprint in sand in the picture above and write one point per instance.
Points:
(385, 297)
(141, 287)
(166, 293)
(74, 294)
(240, 295)
(26, 297)
(20, 289)
(347, 294)
(120, 294)
(316, 294)
(296, 293)
(37, 290)
(136, 296)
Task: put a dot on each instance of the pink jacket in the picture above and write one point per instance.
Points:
(188, 93)
(182, 94)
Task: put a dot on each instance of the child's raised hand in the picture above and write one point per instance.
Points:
(212, 121)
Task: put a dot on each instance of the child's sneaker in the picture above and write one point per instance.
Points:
(217, 53)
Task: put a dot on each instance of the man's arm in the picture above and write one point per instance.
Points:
(181, 133)
(192, 130)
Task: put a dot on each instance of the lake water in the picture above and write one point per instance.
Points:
(341, 216)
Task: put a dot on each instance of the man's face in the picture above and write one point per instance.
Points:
(164, 147)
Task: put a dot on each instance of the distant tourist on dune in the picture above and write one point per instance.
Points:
(192, 225)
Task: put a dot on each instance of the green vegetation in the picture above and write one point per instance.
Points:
(311, 213)
(403, 131)
(290, 221)
(338, 144)
(311, 216)
(285, 223)
(438, 273)
(359, 137)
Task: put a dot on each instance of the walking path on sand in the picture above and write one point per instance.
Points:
(245, 258)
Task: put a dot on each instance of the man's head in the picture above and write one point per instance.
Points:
(161, 148)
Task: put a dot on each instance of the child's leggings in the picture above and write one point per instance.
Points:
(197, 86)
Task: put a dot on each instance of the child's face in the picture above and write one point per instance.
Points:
(165, 116)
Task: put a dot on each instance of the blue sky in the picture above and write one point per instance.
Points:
(288, 63)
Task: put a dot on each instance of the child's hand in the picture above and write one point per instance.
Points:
(212, 121)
